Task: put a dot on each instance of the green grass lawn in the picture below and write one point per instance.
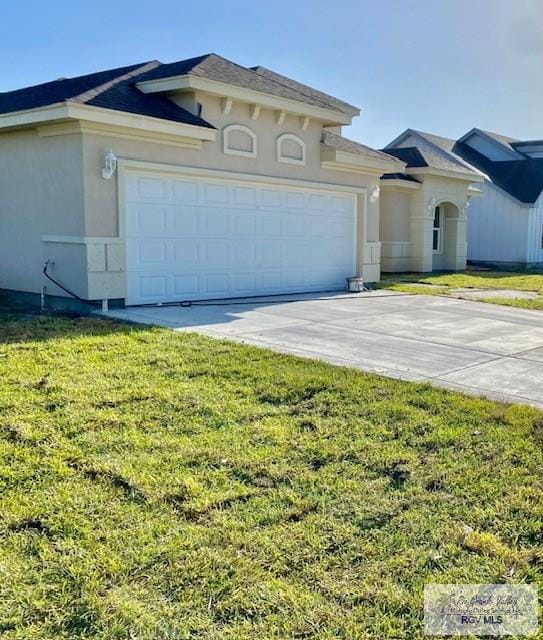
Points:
(445, 283)
(162, 486)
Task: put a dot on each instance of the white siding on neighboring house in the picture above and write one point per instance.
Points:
(535, 233)
(497, 227)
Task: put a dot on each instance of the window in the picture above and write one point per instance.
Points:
(437, 229)
(290, 149)
(239, 140)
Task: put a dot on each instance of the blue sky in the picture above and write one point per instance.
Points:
(438, 65)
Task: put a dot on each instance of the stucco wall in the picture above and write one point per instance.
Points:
(41, 193)
(101, 196)
(497, 227)
(407, 225)
(394, 230)
(51, 185)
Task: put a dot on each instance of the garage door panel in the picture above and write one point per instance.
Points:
(183, 221)
(146, 220)
(186, 253)
(152, 253)
(215, 194)
(271, 199)
(192, 238)
(185, 191)
(185, 285)
(152, 287)
(216, 223)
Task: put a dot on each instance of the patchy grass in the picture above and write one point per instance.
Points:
(441, 284)
(158, 486)
(522, 281)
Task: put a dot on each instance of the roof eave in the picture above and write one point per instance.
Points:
(66, 111)
(444, 173)
(191, 82)
(357, 163)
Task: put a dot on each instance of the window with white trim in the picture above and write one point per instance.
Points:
(239, 140)
(290, 149)
(437, 231)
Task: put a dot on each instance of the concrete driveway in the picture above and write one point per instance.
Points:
(478, 348)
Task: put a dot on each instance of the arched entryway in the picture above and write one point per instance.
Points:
(448, 238)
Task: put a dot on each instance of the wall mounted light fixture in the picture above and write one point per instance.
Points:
(110, 165)
(374, 194)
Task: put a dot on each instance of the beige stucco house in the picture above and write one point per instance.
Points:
(423, 223)
(205, 179)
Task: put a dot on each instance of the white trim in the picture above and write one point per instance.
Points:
(399, 184)
(280, 117)
(288, 159)
(241, 94)
(254, 110)
(85, 127)
(238, 152)
(73, 111)
(332, 158)
(126, 166)
(226, 106)
(444, 173)
(439, 229)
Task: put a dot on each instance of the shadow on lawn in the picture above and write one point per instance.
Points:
(36, 327)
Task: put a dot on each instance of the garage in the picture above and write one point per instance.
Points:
(198, 237)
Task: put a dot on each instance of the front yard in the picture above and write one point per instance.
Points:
(158, 486)
(527, 285)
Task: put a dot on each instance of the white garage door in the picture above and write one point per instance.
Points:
(199, 238)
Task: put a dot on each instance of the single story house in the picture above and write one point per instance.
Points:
(505, 224)
(424, 221)
(203, 179)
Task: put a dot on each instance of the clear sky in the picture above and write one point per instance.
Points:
(442, 66)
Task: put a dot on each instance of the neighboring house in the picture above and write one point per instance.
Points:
(221, 181)
(505, 224)
(424, 208)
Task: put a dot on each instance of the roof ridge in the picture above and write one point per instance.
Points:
(299, 84)
(252, 72)
(455, 157)
(86, 96)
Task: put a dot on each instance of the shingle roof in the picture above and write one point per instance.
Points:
(58, 90)
(523, 179)
(433, 151)
(340, 143)
(498, 137)
(215, 67)
(415, 157)
(116, 89)
(307, 90)
(112, 89)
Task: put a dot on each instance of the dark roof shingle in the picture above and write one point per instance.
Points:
(117, 89)
(523, 179)
(310, 91)
(214, 67)
(113, 89)
(340, 143)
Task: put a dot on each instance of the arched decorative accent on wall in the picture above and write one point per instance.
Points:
(290, 149)
(239, 140)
